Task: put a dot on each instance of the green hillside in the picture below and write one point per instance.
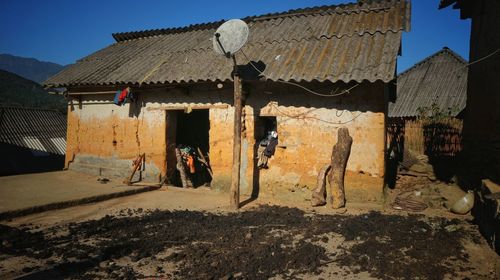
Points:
(18, 91)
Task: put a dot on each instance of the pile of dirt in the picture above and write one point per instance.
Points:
(256, 244)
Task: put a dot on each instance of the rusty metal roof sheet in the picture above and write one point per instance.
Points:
(357, 41)
(36, 129)
(440, 79)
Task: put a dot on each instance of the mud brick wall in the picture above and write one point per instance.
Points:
(107, 135)
(104, 139)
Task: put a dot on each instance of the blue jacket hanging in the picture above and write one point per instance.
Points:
(122, 96)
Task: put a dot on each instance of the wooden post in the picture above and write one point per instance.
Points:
(203, 160)
(235, 175)
(137, 163)
(186, 183)
(340, 154)
(319, 194)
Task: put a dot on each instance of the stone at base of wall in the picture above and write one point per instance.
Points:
(221, 183)
(359, 187)
(112, 167)
(486, 212)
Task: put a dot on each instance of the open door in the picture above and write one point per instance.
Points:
(189, 132)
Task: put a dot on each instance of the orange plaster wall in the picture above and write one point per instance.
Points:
(306, 125)
(305, 143)
(221, 146)
(109, 131)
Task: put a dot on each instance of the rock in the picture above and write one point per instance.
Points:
(6, 244)
(452, 228)
(422, 168)
(248, 236)
(228, 276)
(422, 158)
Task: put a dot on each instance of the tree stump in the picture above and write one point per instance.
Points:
(340, 154)
(319, 194)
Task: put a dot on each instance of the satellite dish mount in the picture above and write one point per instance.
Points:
(217, 37)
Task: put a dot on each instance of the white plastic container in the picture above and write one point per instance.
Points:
(464, 204)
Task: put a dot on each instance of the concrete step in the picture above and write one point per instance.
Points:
(6, 215)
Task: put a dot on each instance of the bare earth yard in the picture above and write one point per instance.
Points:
(266, 241)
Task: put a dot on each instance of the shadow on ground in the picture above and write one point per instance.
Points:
(257, 244)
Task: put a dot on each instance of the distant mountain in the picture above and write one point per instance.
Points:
(29, 68)
(18, 91)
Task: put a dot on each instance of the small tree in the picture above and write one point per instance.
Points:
(434, 113)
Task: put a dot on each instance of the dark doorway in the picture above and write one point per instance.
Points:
(192, 129)
(191, 136)
(263, 126)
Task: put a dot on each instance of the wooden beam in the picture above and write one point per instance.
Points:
(235, 175)
(93, 103)
(184, 107)
(91, 92)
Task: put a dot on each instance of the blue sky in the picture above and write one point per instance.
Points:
(63, 31)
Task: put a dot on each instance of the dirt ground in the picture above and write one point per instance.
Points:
(191, 234)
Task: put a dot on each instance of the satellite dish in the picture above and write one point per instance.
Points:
(230, 37)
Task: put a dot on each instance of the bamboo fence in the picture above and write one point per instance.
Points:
(427, 136)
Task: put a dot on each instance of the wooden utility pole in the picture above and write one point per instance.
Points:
(235, 175)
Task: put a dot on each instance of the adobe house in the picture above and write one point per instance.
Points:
(426, 117)
(184, 94)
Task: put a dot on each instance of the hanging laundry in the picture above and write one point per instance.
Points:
(117, 98)
(122, 96)
(190, 164)
(188, 156)
(267, 147)
(271, 146)
(130, 97)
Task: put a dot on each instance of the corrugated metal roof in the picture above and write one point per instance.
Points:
(36, 129)
(439, 79)
(357, 41)
(446, 3)
(466, 7)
